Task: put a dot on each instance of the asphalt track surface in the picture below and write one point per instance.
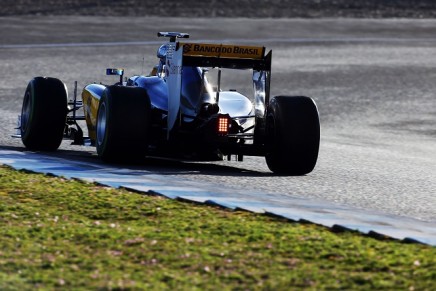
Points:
(374, 82)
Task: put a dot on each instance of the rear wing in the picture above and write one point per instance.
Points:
(180, 54)
(225, 56)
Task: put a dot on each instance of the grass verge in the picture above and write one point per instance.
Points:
(57, 234)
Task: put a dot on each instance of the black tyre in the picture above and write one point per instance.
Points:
(123, 124)
(43, 115)
(292, 135)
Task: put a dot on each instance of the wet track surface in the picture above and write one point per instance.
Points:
(373, 81)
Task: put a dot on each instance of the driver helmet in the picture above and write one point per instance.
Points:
(162, 51)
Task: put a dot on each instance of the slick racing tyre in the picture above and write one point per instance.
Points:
(44, 113)
(292, 135)
(123, 124)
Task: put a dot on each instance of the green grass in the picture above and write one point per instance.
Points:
(61, 234)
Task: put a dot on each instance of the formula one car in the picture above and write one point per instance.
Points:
(176, 112)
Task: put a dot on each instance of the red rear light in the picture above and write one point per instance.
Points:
(223, 125)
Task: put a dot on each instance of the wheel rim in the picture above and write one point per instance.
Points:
(101, 124)
(25, 112)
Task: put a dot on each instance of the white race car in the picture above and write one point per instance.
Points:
(176, 112)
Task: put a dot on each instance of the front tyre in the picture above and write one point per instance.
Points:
(44, 113)
(292, 135)
(123, 124)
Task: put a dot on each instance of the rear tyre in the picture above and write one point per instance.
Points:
(44, 113)
(123, 124)
(292, 135)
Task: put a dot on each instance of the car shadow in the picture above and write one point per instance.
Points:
(154, 165)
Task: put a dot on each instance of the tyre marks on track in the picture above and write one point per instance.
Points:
(263, 41)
